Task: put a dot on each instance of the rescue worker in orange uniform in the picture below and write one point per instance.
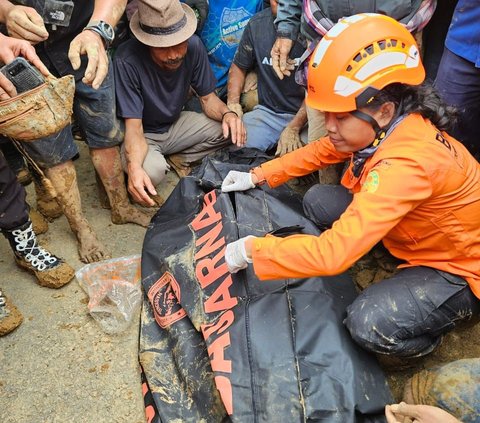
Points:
(408, 184)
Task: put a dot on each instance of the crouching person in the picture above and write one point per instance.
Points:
(154, 74)
(409, 184)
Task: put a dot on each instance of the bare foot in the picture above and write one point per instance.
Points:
(90, 248)
(128, 213)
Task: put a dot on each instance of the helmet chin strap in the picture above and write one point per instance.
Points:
(379, 132)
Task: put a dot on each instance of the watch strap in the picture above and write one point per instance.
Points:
(96, 26)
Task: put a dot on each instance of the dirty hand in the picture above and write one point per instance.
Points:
(237, 108)
(141, 187)
(237, 181)
(25, 23)
(280, 50)
(90, 43)
(9, 49)
(400, 413)
(232, 125)
(236, 255)
(250, 83)
(289, 141)
(7, 89)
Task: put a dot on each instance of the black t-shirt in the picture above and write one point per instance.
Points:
(281, 96)
(145, 91)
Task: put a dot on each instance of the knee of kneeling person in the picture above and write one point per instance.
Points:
(324, 204)
(156, 171)
(371, 328)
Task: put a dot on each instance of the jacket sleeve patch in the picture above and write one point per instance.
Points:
(371, 182)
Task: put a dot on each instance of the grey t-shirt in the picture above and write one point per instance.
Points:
(157, 96)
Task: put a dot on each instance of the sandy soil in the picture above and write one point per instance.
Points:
(59, 366)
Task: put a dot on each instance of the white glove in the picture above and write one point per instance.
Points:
(237, 181)
(236, 255)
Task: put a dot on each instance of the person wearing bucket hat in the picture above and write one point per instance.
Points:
(72, 38)
(154, 75)
(409, 185)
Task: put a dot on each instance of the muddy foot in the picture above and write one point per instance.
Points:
(130, 214)
(40, 225)
(90, 248)
(49, 208)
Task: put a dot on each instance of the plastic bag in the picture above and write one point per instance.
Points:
(114, 291)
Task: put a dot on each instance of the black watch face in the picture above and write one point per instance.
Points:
(107, 30)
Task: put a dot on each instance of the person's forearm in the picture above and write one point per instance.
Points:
(287, 21)
(300, 119)
(108, 10)
(213, 107)
(5, 6)
(135, 146)
(236, 81)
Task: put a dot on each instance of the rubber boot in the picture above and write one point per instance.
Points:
(46, 204)
(10, 317)
(64, 180)
(108, 166)
(49, 270)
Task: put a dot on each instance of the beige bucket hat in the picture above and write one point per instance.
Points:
(163, 23)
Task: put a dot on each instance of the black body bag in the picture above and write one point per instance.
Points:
(217, 347)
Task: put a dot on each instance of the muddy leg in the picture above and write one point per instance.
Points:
(46, 204)
(108, 166)
(64, 179)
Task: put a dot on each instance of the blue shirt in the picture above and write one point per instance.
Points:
(157, 96)
(463, 36)
(222, 31)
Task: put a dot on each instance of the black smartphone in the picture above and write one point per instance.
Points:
(23, 75)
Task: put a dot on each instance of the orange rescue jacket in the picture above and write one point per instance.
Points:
(419, 193)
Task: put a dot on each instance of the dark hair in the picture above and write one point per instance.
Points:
(422, 99)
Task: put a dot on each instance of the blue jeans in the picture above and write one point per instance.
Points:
(454, 387)
(264, 127)
(458, 82)
(407, 314)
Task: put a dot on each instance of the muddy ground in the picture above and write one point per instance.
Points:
(60, 367)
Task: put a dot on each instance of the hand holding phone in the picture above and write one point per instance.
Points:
(22, 74)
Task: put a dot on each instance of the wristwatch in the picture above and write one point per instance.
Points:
(104, 29)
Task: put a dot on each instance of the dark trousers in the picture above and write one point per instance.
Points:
(407, 314)
(458, 82)
(434, 35)
(13, 209)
